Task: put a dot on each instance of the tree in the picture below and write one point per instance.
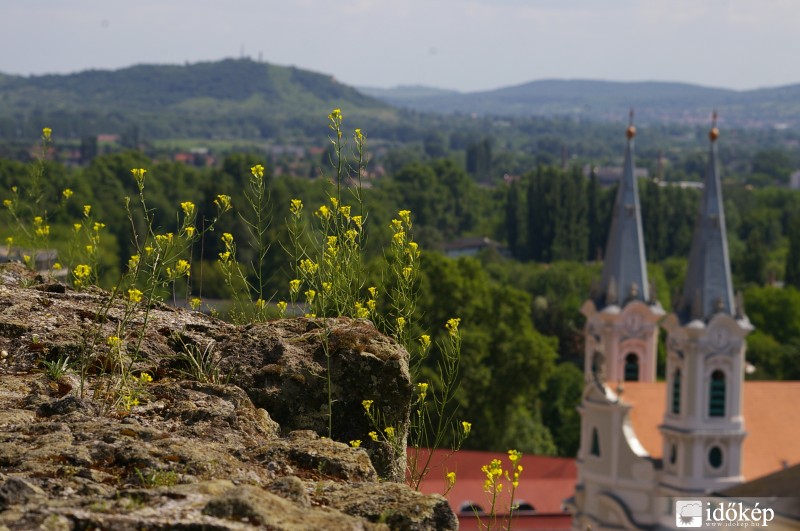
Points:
(512, 220)
(792, 270)
(753, 265)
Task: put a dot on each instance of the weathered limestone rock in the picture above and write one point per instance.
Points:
(248, 453)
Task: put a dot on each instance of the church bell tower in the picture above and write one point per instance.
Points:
(703, 428)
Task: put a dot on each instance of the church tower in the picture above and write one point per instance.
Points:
(621, 316)
(621, 343)
(703, 427)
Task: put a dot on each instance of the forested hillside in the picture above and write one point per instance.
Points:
(225, 99)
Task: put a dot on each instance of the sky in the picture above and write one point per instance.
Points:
(466, 45)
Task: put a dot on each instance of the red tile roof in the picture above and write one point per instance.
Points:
(545, 483)
(771, 420)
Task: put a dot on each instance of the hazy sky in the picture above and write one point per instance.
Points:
(458, 44)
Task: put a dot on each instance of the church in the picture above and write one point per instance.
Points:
(646, 443)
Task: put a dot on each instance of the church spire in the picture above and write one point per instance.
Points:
(708, 289)
(624, 267)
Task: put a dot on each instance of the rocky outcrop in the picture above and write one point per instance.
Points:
(246, 447)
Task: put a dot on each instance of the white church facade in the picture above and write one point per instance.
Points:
(620, 485)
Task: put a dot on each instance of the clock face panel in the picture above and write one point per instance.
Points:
(718, 338)
(632, 323)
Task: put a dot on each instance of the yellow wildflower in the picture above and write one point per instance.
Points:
(323, 212)
(422, 390)
(327, 286)
(227, 239)
(373, 291)
(401, 323)
(405, 215)
(451, 479)
(138, 174)
(466, 426)
(389, 432)
(183, 268)
(67, 193)
(373, 435)
(46, 132)
(9, 241)
(188, 208)
(282, 307)
(194, 303)
(82, 271)
(371, 305)
(310, 294)
(164, 238)
(425, 341)
(189, 231)
(225, 256)
(145, 378)
(8, 203)
(358, 220)
(223, 202)
(113, 341)
(296, 206)
(87, 209)
(308, 266)
(367, 404)
(345, 211)
(294, 286)
(399, 237)
(452, 326)
(361, 311)
(57, 266)
(134, 295)
(356, 443)
(257, 171)
(97, 226)
(77, 227)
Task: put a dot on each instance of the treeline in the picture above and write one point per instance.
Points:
(520, 375)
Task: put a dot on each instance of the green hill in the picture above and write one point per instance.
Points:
(229, 98)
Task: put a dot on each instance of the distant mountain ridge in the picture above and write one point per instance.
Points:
(609, 101)
(246, 99)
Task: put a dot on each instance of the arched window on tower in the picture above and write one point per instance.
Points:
(597, 366)
(631, 368)
(595, 443)
(676, 392)
(716, 395)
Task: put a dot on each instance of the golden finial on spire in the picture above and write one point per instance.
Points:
(714, 133)
(631, 131)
